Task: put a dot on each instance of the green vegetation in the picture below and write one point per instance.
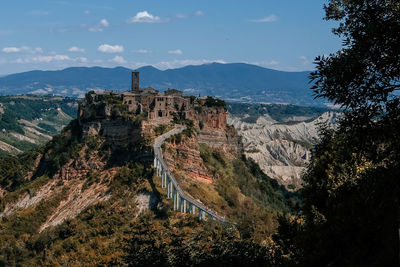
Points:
(214, 102)
(246, 175)
(44, 114)
(186, 242)
(48, 128)
(162, 129)
(250, 112)
(61, 149)
(14, 168)
(351, 212)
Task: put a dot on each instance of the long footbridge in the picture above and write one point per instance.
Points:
(182, 202)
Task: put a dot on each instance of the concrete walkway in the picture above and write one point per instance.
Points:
(182, 202)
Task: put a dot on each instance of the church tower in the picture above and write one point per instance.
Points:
(135, 81)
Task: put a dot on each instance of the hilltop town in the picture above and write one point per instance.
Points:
(157, 106)
(126, 117)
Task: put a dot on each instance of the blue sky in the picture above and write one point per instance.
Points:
(55, 34)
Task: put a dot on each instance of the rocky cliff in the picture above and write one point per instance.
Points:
(281, 149)
(211, 123)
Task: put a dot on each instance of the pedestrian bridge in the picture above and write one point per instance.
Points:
(182, 202)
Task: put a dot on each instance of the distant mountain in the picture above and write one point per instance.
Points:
(234, 82)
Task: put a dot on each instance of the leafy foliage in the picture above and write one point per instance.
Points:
(214, 102)
(351, 194)
(60, 150)
(14, 168)
(186, 243)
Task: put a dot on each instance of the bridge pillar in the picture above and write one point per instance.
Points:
(200, 215)
(168, 189)
(175, 198)
(184, 206)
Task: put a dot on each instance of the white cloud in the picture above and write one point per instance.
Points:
(81, 59)
(86, 12)
(199, 13)
(264, 63)
(104, 23)
(11, 50)
(304, 60)
(23, 49)
(76, 49)
(95, 29)
(181, 63)
(118, 59)
(175, 52)
(42, 59)
(106, 48)
(144, 17)
(270, 18)
(142, 51)
(181, 16)
(100, 26)
(272, 63)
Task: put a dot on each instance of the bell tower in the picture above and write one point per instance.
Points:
(135, 81)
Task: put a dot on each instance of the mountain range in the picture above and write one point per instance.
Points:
(235, 82)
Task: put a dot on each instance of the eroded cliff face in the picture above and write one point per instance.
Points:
(282, 150)
(127, 135)
(186, 156)
(215, 132)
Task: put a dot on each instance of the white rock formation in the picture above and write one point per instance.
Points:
(281, 149)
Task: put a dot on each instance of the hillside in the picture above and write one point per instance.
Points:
(29, 121)
(233, 82)
(279, 137)
(89, 197)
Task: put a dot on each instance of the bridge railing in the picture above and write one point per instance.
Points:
(180, 199)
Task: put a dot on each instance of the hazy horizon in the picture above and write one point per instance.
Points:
(53, 35)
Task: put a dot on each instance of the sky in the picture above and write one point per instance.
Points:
(55, 34)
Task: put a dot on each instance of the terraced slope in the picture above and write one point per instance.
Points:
(29, 121)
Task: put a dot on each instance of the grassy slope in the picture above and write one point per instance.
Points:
(108, 232)
(46, 114)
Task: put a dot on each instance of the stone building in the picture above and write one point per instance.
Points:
(157, 105)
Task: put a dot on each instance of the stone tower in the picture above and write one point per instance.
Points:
(135, 81)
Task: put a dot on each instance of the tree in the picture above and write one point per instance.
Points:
(351, 191)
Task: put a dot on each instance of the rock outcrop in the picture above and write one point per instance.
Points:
(281, 149)
(214, 130)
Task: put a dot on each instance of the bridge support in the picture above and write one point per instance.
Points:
(180, 201)
(171, 189)
(168, 190)
(175, 198)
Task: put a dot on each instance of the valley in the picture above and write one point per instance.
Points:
(91, 190)
(29, 121)
(280, 140)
